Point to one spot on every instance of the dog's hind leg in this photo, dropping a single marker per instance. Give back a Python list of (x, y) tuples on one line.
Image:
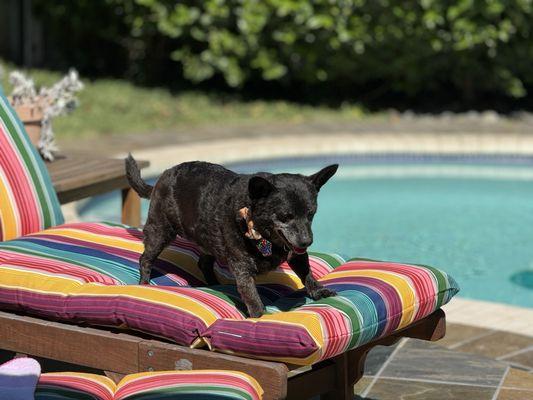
[(206, 264), (299, 263), (156, 238)]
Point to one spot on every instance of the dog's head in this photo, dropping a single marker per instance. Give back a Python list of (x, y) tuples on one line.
[(283, 206)]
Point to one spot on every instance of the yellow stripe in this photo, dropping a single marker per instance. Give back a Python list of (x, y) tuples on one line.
[(64, 286), (276, 277), (8, 218), (310, 321), (37, 281), (101, 380), (97, 238), (281, 278), (399, 282)]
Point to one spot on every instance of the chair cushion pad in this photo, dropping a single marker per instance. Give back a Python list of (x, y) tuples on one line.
[(88, 272)]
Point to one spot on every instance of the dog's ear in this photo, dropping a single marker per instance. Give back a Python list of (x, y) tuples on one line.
[(259, 187), (322, 176)]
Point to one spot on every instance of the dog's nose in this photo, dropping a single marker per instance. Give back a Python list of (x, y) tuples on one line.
[(305, 242)]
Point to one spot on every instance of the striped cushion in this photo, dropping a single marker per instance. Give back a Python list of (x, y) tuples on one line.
[(28, 202), (202, 384), (374, 299), (90, 273)]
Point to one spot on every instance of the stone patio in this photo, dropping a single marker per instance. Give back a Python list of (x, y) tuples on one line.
[(469, 363)]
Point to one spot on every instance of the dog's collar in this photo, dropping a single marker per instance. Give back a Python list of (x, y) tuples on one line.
[(263, 245)]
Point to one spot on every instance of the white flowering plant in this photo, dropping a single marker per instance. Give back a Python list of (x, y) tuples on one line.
[(59, 99)]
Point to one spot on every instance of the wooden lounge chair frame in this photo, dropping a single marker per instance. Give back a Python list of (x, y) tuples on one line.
[(119, 353)]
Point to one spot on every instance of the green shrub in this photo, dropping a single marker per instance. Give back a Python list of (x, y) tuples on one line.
[(473, 47)]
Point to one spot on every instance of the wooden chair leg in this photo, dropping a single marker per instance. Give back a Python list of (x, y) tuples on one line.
[(350, 368), (343, 388), (131, 207)]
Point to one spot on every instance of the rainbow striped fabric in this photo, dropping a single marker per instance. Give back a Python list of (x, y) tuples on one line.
[(176, 385), (28, 202), (87, 272)]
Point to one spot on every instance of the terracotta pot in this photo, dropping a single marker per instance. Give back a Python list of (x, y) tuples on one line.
[(31, 117)]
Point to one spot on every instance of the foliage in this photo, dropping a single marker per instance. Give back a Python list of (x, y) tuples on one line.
[(473, 47)]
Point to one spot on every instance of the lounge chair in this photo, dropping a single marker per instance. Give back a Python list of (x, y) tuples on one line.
[(68, 292)]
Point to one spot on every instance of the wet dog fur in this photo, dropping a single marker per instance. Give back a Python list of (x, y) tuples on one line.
[(200, 202)]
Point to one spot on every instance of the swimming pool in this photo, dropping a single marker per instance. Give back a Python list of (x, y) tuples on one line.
[(469, 215)]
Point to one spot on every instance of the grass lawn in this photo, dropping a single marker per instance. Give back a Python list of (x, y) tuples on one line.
[(116, 106)]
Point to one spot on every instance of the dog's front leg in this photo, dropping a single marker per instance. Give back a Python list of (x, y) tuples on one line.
[(299, 263), (245, 281)]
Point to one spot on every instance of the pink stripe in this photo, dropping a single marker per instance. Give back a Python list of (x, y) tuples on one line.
[(55, 266)]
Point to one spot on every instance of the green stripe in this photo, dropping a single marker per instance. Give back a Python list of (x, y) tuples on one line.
[(442, 283), (332, 260), (348, 308)]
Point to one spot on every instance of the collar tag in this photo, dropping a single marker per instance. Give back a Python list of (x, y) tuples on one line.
[(265, 247)]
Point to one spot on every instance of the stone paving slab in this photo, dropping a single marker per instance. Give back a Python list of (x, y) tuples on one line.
[(430, 362), (458, 334), (511, 394), (523, 359), (416, 369), (496, 344), (400, 389), (518, 379)]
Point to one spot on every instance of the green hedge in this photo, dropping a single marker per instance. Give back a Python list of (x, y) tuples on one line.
[(471, 46), (470, 49)]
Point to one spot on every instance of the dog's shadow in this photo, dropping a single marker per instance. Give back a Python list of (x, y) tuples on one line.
[(273, 300)]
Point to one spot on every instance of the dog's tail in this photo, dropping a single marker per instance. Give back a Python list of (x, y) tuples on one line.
[(133, 173)]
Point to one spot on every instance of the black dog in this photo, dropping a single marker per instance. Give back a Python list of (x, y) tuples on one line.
[(252, 223)]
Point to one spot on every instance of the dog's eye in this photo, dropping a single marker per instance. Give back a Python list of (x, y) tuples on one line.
[(285, 217)]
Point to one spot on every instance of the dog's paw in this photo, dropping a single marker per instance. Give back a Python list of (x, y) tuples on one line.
[(322, 292), (255, 312)]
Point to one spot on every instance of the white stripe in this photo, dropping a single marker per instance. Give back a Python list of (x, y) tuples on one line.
[(497, 392)]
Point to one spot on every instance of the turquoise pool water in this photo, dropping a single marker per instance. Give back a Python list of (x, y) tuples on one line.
[(472, 216)]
